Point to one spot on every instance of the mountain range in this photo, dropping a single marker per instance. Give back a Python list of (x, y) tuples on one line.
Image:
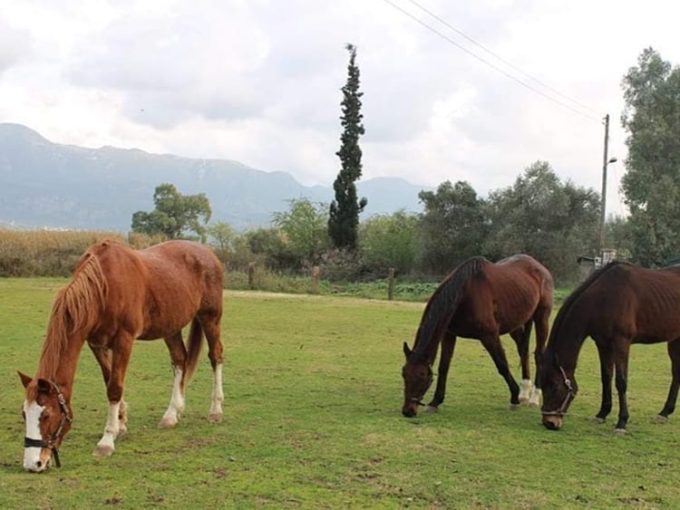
[(45, 184)]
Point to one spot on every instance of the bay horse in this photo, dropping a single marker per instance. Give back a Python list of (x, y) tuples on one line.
[(117, 295), (618, 305), (481, 300)]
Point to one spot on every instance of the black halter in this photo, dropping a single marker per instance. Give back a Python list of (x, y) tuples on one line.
[(50, 443), (561, 411)]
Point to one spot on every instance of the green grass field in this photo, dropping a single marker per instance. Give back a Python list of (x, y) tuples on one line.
[(312, 419)]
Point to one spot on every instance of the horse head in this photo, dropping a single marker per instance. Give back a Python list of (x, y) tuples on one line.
[(559, 389), (417, 374), (48, 418)]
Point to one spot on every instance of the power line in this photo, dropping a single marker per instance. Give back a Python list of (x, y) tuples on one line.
[(501, 59), (490, 64)]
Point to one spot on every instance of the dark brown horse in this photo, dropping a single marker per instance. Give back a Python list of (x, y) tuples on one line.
[(117, 295), (481, 300), (618, 305)]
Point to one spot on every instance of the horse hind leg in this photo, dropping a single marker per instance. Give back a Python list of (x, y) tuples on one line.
[(521, 338), (210, 322), (669, 406), (178, 356)]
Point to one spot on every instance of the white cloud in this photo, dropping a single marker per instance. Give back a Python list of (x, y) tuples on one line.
[(258, 81)]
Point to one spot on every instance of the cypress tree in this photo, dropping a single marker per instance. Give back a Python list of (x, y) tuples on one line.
[(343, 221)]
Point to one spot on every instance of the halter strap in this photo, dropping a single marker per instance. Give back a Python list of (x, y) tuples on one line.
[(50, 444), (561, 411)]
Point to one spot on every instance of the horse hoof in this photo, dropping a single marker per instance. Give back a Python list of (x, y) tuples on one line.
[(122, 430), (661, 419), (431, 409), (103, 451), (167, 423), (620, 432), (215, 417), (600, 420)]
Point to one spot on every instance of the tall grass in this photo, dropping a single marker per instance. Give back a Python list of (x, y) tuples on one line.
[(53, 253)]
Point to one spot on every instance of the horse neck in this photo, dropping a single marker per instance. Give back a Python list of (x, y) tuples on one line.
[(567, 342), (429, 352), (61, 370)]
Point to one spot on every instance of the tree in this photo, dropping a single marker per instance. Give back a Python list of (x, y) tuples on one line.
[(222, 238), (540, 216), (343, 221), (175, 215), (390, 241), (651, 184), (304, 226), (453, 225)]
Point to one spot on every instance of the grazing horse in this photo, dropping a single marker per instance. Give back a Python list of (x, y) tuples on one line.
[(617, 305), (481, 300), (116, 295)]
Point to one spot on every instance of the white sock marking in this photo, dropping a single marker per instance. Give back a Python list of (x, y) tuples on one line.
[(217, 391), (525, 389), (176, 406), (112, 427)]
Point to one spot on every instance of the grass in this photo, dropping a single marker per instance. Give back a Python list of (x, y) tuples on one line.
[(313, 397)]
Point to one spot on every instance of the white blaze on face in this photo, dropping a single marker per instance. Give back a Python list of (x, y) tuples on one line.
[(32, 453)]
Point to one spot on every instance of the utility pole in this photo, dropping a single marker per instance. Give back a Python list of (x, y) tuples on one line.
[(605, 162)]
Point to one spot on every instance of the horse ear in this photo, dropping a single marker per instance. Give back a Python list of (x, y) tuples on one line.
[(25, 380), (407, 351), (44, 387)]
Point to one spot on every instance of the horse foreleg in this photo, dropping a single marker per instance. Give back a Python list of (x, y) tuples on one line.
[(114, 391), (211, 327), (448, 346), (621, 350), (103, 357), (178, 354), (606, 372), (492, 343), (674, 354), (521, 338)]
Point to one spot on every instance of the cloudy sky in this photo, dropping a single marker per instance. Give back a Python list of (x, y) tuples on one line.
[(258, 81)]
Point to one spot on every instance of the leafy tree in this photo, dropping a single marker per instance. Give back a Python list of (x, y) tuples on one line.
[(269, 245), (222, 238), (304, 227), (175, 214), (540, 216), (453, 225), (391, 241), (652, 181), (343, 221)]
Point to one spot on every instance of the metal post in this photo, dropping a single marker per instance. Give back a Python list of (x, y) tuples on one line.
[(605, 162)]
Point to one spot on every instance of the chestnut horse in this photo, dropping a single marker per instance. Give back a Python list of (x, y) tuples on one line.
[(618, 305), (481, 300), (116, 295)]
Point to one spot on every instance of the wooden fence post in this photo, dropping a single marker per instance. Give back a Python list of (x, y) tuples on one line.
[(316, 276), (251, 275), (390, 285)]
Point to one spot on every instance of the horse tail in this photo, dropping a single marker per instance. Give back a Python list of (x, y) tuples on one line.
[(194, 344)]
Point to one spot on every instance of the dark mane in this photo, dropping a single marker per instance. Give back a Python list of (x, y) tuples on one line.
[(443, 303), (574, 297)]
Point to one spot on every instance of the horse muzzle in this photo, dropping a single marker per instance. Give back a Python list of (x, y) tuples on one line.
[(553, 422)]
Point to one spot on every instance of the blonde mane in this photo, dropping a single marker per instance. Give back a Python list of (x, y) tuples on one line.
[(74, 312)]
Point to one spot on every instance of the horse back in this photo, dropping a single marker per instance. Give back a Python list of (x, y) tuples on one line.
[(635, 302), (155, 292), (506, 295)]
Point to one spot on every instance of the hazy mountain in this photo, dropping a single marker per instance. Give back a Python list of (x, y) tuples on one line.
[(48, 184)]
